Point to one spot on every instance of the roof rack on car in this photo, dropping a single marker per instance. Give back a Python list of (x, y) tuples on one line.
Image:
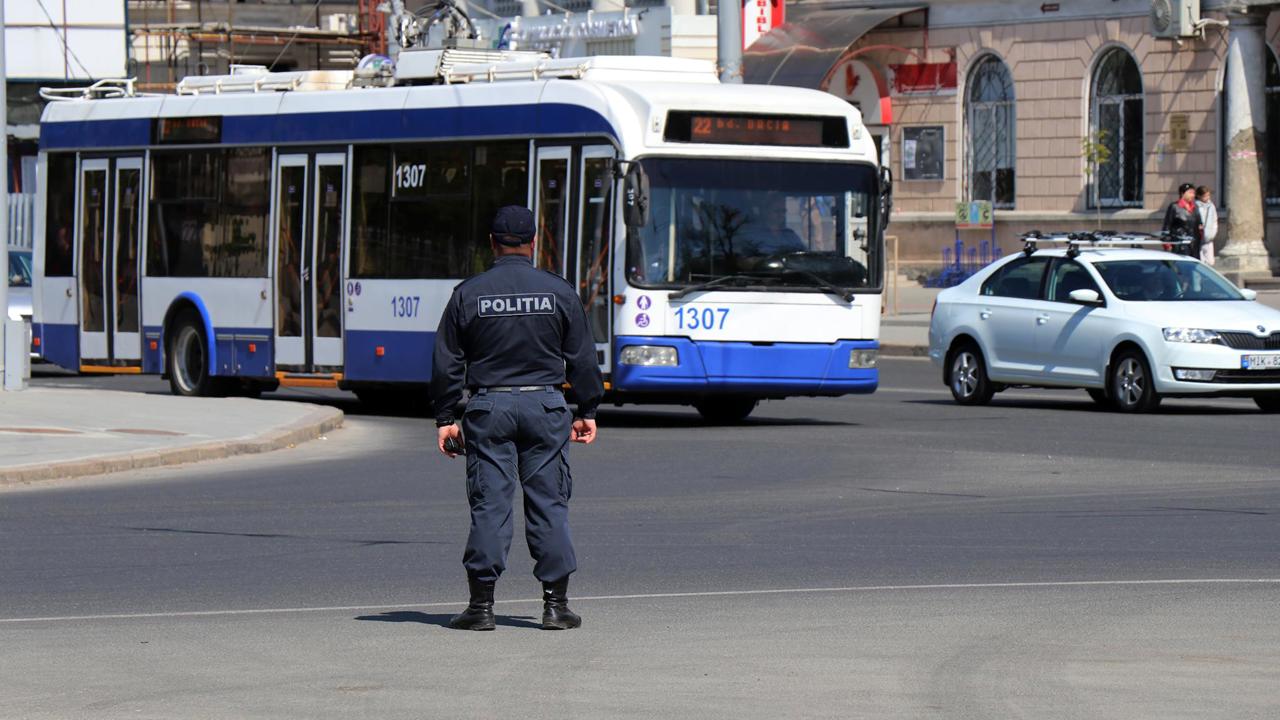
[(1101, 239)]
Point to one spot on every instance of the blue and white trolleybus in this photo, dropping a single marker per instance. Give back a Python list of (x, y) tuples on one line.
[(264, 229)]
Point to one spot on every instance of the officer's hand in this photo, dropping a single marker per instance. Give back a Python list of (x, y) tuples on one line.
[(584, 431), (446, 432)]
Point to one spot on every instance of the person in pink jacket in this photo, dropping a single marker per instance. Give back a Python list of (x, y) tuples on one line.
[(1208, 221)]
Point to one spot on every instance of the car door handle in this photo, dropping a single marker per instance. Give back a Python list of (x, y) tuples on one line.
[(985, 314), (1042, 319)]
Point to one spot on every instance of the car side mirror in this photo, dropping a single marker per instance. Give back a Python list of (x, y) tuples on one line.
[(1085, 296), (1248, 294)]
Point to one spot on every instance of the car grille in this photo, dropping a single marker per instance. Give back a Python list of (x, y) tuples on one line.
[(1247, 376), (1249, 341)]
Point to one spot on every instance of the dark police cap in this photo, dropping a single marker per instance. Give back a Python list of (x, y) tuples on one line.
[(513, 225)]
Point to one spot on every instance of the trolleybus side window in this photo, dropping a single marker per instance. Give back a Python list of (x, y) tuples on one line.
[(370, 208), (424, 211), (60, 203), (208, 213)]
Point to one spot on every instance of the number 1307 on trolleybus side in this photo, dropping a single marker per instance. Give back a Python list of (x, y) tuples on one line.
[(265, 229)]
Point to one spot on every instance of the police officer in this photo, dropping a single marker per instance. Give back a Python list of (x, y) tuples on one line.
[(512, 336)]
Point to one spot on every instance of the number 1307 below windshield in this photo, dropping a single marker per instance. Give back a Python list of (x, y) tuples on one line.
[(759, 225)]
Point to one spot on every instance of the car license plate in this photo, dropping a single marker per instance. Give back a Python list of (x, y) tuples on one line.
[(1260, 362)]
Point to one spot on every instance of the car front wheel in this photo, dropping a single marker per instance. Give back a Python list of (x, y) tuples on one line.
[(1132, 387), (969, 382)]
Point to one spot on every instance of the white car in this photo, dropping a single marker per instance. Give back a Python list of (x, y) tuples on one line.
[(1130, 326)]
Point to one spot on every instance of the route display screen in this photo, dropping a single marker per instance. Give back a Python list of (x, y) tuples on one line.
[(740, 129), (185, 130)]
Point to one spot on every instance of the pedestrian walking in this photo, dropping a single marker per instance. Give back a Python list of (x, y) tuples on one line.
[(1182, 221), (512, 336), (1208, 221)]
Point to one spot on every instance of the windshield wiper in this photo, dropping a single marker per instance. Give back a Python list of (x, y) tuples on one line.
[(845, 294), (713, 283)]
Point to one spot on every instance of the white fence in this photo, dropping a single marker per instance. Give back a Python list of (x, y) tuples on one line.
[(22, 220)]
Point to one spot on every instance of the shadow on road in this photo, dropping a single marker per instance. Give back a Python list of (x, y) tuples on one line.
[(691, 419), (413, 616), (1090, 407)]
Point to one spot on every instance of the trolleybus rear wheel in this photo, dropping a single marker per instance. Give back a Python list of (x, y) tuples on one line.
[(188, 355)]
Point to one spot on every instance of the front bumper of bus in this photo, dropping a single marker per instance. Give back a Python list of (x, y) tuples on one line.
[(767, 370)]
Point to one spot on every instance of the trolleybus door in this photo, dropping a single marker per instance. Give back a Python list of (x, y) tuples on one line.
[(551, 208), (126, 195), (310, 229), (595, 211), (94, 266)]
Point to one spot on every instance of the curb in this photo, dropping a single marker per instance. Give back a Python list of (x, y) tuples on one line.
[(904, 350), (316, 422)]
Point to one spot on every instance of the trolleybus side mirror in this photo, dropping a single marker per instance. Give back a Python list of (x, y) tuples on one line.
[(886, 195), (635, 196)]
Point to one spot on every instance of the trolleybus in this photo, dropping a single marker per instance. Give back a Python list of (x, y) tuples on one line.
[(265, 229)]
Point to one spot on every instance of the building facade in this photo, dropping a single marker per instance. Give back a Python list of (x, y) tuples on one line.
[(1062, 116)]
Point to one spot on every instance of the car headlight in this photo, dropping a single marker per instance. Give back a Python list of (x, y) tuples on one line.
[(1191, 335), (649, 355)]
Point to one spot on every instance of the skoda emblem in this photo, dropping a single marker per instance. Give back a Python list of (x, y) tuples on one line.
[(1262, 330)]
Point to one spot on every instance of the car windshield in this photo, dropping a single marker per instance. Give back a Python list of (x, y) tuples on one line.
[(19, 268), (757, 224), (1165, 281)]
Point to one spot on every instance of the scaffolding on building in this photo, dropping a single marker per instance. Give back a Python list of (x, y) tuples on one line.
[(172, 40)]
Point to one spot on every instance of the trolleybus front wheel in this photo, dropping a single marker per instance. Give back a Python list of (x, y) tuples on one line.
[(725, 410)]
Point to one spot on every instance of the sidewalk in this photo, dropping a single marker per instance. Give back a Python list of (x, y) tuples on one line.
[(907, 331), (48, 433)]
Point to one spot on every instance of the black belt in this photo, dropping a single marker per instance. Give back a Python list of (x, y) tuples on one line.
[(516, 389)]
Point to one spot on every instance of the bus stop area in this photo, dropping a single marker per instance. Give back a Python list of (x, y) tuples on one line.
[(50, 433)]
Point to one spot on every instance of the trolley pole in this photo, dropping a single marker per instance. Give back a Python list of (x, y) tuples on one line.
[(729, 41), (5, 370)]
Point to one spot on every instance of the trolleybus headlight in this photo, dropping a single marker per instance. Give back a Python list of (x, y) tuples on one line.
[(863, 359), (649, 355), (1191, 335)]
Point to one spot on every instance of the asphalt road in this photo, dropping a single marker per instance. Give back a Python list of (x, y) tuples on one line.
[(885, 556)]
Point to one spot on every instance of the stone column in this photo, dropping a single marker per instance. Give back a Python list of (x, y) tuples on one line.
[(1244, 253), (531, 8)]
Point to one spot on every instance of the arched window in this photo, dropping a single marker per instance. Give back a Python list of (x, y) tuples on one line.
[(990, 141), (1116, 121), (1273, 121)]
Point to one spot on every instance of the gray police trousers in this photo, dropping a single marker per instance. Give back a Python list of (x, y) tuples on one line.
[(524, 437)]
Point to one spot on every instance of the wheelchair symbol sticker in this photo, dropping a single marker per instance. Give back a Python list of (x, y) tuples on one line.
[(642, 320)]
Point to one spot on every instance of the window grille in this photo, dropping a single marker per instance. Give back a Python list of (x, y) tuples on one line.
[(991, 138), (1117, 117)]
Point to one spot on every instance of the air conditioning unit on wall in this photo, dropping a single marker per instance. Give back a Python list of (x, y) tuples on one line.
[(1175, 18)]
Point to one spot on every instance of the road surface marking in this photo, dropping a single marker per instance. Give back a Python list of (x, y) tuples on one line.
[(651, 596)]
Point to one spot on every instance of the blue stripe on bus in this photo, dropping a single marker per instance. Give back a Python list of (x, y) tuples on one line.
[(348, 125), (406, 356), (131, 132), (60, 344), (781, 368)]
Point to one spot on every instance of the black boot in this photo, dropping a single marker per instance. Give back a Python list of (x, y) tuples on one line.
[(556, 614), (479, 612)]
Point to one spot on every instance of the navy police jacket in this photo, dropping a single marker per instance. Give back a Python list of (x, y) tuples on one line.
[(510, 326)]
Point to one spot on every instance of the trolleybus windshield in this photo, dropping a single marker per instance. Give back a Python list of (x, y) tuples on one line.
[(756, 224)]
